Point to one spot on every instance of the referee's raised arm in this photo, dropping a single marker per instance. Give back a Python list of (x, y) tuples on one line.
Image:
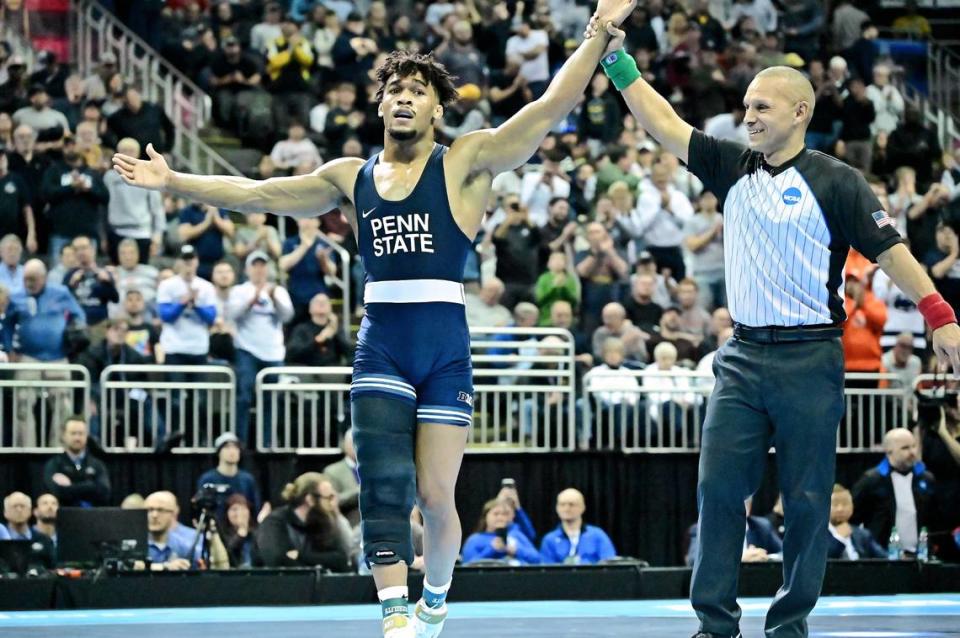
[(653, 113)]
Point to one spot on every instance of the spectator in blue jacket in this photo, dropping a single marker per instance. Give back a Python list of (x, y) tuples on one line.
[(92, 285), (204, 227), (520, 521), (307, 259), (34, 330), (573, 542), (488, 542)]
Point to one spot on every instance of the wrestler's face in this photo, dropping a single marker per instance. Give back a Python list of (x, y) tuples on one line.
[(409, 107)]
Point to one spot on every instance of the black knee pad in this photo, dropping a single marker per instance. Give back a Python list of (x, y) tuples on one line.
[(384, 433)]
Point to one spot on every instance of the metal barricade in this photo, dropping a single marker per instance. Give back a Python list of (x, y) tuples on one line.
[(36, 399), (142, 405), (646, 410), (524, 390), (874, 404), (302, 409)]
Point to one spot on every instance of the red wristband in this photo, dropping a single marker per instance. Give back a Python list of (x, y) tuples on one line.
[(936, 311)]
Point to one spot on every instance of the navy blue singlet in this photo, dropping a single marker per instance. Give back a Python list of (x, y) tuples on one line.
[(413, 343)]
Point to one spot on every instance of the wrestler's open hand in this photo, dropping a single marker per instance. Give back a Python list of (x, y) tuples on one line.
[(946, 345)]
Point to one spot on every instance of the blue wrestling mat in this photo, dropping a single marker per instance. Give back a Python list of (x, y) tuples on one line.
[(907, 616)]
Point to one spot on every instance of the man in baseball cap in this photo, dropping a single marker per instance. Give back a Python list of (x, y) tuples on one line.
[(228, 473)]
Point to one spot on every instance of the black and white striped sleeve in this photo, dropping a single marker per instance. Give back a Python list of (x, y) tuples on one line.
[(718, 163)]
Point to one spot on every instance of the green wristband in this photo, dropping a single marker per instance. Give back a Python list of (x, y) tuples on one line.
[(620, 68)]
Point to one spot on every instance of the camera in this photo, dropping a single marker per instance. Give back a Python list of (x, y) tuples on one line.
[(210, 497), (930, 406)]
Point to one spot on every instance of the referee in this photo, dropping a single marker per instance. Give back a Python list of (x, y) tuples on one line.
[(790, 217)]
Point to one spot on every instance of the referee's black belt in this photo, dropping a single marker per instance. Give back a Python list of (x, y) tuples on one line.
[(785, 334)]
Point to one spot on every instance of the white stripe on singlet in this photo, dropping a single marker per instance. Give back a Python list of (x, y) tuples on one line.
[(413, 291)]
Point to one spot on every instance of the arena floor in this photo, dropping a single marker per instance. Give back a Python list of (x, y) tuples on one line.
[(861, 617)]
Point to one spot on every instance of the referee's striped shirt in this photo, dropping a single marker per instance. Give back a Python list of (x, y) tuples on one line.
[(787, 230)]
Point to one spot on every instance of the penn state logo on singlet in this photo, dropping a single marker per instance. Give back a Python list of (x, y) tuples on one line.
[(412, 238), (395, 234)]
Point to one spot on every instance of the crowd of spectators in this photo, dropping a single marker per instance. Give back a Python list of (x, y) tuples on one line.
[(601, 233)]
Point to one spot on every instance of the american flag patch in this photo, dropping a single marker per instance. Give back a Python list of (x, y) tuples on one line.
[(882, 219)]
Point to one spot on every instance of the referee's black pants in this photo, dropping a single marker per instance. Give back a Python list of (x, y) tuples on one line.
[(789, 395)]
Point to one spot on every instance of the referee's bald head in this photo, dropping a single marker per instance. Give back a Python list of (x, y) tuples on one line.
[(779, 104)]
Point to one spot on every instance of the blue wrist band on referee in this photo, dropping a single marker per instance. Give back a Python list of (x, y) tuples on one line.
[(620, 68)]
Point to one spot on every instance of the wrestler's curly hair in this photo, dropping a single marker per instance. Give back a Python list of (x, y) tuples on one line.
[(407, 63)]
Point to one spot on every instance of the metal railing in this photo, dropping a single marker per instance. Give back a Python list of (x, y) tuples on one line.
[(524, 390), (342, 279), (523, 397), (35, 400), (516, 408), (651, 411), (302, 409), (142, 405), (644, 410), (943, 79), (186, 104), (875, 404)]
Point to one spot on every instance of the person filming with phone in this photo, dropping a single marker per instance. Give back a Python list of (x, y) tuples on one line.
[(493, 539)]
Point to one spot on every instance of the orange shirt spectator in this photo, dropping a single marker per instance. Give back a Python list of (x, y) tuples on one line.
[(861, 332)]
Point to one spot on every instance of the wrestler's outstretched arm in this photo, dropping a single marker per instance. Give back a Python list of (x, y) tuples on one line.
[(302, 195)]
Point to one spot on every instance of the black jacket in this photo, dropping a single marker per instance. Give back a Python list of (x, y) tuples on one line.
[(317, 545), (863, 541), (90, 483), (303, 349), (875, 506), (149, 124)]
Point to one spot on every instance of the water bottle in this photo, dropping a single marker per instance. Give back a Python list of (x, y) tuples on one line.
[(893, 547), (923, 548)]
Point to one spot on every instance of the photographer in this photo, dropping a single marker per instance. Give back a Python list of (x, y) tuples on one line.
[(938, 433), (172, 546), (304, 533), (494, 540)]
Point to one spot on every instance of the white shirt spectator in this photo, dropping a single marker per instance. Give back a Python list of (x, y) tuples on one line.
[(318, 117), (663, 386), (537, 69), (705, 367), (290, 154), (263, 35), (142, 277), (763, 12), (656, 226), (900, 205), (133, 212), (536, 195), (437, 11), (888, 104), (906, 514), (188, 334), (907, 375), (41, 120), (902, 313), (724, 127), (260, 326), (614, 386)]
